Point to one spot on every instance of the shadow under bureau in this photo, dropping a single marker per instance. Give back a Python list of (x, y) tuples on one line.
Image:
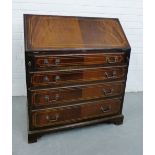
[(76, 72)]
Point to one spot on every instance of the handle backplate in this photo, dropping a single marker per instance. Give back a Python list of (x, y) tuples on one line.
[(105, 109)]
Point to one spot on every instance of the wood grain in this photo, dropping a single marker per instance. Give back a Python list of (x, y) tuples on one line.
[(60, 78), (62, 32), (63, 96), (75, 113), (56, 62), (76, 72)]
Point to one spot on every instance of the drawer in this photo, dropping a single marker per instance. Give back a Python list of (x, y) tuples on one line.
[(56, 61), (54, 78), (70, 114), (62, 96)]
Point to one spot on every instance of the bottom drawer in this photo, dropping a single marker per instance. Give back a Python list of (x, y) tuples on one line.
[(70, 114)]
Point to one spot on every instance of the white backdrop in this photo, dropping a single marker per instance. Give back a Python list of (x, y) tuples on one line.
[(128, 11)]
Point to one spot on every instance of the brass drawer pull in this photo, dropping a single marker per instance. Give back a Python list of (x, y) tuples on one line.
[(57, 77), (57, 96), (111, 61), (46, 97), (105, 109), (48, 100), (111, 76), (57, 61), (52, 118), (46, 79), (107, 91), (45, 61)]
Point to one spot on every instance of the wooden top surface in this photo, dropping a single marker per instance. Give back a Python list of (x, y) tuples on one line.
[(69, 33)]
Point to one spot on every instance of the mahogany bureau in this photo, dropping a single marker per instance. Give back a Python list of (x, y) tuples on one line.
[(76, 72)]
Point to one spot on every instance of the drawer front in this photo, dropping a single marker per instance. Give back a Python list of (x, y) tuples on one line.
[(75, 113), (77, 76), (53, 62), (61, 96)]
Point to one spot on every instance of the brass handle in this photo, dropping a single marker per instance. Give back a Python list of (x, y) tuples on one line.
[(105, 109), (46, 97), (57, 77), (57, 61), (111, 61), (107, 91), (111, 76), (57, 96), (48, 100), (46, 79), (45, 61), (52, 118)]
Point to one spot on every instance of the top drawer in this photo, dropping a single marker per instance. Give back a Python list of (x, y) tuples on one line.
[(39, 62)]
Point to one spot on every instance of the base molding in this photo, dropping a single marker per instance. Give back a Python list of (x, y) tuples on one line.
[(34, 135), (32, 138)]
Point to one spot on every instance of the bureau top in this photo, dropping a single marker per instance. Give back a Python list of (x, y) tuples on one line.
[(45, 33)]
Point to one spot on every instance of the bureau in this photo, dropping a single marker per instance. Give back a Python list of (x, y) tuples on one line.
[(76, 72)]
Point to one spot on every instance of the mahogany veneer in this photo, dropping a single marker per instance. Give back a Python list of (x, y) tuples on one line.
[(76, 72)]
